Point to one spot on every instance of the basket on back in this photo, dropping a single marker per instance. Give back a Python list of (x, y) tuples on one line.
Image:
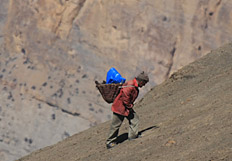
[(109, 91)]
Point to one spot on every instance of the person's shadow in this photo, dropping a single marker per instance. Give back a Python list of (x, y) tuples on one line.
[(124, 137)]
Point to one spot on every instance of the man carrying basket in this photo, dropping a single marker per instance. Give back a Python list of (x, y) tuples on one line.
[(122, 107)]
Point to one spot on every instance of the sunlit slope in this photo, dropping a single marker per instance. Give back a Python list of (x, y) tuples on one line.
[(187, 117)]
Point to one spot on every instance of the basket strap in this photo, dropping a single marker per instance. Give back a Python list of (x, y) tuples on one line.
[(126, 86)]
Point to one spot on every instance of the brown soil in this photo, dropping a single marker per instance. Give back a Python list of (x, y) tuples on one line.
[(187, 117)]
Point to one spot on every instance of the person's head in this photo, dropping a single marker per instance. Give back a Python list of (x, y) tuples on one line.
[(142, 79)]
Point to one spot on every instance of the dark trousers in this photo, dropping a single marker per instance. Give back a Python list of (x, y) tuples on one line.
[(117, 122)]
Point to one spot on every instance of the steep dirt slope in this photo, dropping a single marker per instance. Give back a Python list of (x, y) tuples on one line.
[(188, 117), (52, 50)]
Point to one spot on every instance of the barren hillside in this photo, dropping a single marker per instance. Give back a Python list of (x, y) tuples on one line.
[(51, 52), (187, 117)]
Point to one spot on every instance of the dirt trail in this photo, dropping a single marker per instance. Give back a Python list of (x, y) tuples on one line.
[(187, 117)]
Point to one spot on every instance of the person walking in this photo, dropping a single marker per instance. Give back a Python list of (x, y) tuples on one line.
[(122, 107)]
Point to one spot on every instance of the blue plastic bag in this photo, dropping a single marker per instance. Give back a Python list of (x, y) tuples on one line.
[(113, 76)]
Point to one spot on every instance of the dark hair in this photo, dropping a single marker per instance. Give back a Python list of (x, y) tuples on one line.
[(143, 77)]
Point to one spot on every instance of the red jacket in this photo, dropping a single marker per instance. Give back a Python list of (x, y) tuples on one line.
[(125, 99)]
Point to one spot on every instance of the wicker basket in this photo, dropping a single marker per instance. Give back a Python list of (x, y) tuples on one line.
[(108, 91)]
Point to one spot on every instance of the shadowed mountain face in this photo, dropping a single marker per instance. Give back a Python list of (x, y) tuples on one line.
[(51, 52), (187, 117)]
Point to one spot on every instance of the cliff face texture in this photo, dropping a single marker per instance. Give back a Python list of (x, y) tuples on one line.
[(52, 51), (187, 117)]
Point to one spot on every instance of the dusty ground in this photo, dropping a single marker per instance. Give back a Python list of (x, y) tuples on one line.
[(51, 52), (188, 117)]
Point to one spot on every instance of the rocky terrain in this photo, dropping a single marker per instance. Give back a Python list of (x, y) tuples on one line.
[(187, 117), (51, 52)]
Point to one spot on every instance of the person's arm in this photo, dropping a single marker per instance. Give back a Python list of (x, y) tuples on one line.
[(127, 97)]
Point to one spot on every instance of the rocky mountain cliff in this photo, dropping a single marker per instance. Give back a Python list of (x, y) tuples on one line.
[(52, 52), (187, 117)]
